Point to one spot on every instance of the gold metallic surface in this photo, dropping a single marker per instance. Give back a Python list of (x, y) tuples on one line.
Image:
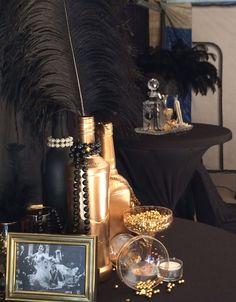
[(119, 202), (37, 206), (31, 219), (108, 151), (86, 129), (98, 182), (120, 194)]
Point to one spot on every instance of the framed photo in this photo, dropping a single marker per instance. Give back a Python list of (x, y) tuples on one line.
[(42, 267)]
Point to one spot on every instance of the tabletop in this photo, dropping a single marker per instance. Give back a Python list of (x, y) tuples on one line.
[(201, 135), (209, 260), (160, 167)]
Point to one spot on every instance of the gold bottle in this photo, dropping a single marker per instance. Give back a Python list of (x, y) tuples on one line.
[(121, 194), (98, 197)]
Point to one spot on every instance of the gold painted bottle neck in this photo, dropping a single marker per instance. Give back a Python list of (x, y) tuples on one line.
[(108, 151), (86, 129)]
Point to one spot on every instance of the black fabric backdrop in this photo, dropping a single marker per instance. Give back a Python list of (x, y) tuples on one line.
[(20, 166)]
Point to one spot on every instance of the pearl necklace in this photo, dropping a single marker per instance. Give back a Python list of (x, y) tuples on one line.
[(60, 142)]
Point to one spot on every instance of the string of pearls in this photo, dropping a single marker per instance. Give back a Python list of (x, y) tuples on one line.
[(60, 142)]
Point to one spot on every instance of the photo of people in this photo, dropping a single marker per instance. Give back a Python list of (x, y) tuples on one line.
[(51, 268)]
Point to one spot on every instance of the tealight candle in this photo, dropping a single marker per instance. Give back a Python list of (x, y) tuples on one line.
[(171, 270)]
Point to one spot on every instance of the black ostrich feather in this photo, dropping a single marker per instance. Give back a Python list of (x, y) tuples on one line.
[(66, 55), (182, 67)]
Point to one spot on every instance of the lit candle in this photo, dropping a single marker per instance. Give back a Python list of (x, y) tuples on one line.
[(172, 265), (171, 270)]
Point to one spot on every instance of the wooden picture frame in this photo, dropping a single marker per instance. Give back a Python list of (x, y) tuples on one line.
[(43, 267)]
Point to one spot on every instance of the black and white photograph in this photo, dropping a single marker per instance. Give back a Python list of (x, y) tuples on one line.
[(50, 268)]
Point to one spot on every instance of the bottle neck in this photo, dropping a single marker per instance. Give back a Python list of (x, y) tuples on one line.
[(86, 130), (108, 151)]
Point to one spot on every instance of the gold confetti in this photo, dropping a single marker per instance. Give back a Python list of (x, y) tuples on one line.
[(150, 221)]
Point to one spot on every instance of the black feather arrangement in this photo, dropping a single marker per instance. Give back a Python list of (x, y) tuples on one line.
[(66, 56), (17, 191), (182, 67)]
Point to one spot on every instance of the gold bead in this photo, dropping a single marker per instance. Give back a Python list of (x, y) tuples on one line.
[(114, 269), (116, 286), (169, 290), (127, 300)]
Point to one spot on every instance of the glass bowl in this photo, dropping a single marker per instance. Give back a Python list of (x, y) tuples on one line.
[(116, 244), (147, 220), (139, 259)]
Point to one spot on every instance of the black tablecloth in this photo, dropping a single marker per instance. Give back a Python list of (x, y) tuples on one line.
[(209, 256), (163, 170), (201, 135)]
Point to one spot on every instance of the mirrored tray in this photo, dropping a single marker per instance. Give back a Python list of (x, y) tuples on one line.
[(178, 128)]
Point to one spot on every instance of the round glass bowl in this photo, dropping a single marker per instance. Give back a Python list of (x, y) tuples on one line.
[(116, 244), (147, 220), (139, 259)]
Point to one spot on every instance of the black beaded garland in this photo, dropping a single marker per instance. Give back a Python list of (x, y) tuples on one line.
[(53, 222), (55, 215), (79, 153), (40, 221)]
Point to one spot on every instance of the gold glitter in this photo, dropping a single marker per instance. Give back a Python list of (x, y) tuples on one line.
[(150, 221)]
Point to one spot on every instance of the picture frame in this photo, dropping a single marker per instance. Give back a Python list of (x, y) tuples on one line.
[(48, 267)]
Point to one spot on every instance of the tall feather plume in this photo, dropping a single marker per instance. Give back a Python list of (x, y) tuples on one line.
[(66, 56), (183, 67)]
